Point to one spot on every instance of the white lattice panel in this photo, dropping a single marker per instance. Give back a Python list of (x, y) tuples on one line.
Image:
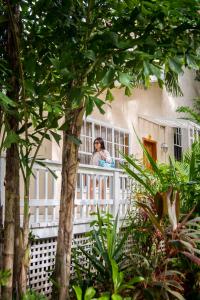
[(43, 253), (41, 265)]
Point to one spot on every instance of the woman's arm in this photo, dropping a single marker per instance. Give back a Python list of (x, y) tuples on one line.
[(106, 156)]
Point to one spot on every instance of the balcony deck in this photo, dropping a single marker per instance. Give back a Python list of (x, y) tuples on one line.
[(106, 188)]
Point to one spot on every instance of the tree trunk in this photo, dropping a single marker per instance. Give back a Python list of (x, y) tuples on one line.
[(17, 255), (11, 197), (12, 163), (25, 245), (69, 176)]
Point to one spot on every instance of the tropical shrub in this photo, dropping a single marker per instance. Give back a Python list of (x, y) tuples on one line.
[(32, 295), (107, 246), (165, 192), (182, 176)]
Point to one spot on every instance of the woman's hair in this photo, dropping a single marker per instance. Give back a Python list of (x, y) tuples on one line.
[(101, 141)]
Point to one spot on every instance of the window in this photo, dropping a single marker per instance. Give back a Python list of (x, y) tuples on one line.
[(194, 135), (116, 140), (178, 143)]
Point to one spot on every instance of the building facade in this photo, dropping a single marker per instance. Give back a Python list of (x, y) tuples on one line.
[(150, 113)]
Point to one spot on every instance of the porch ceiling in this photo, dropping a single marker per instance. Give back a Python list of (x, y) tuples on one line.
[(170, 122)]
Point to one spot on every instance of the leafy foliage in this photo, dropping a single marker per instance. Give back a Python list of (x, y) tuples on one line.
[(32, 295), (107, 254)]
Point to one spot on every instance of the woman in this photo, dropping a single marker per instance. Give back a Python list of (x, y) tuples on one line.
[(100, 153)]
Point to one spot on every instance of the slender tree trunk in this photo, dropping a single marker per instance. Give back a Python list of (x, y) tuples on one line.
[(12, 164), (25, 245), (11, 197), (69, 175), (17, 255)]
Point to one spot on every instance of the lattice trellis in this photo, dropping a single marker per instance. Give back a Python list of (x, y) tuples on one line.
[(43, 253), (41, 265)]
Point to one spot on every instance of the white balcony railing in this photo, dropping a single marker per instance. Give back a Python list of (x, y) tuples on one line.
[(106, 188)]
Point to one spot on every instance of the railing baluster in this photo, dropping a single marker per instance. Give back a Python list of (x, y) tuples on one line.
[(54, 214), (46, 195), (37, 196), (81, 195), (105, 178), (88, 194)]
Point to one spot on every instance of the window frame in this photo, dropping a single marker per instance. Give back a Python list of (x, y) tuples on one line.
[(195, 136), (95, 122), (178, 142)]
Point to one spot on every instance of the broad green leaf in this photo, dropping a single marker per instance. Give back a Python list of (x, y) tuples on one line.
[(11, 138), (124, 79), (89, 294), (109, 96), (64, 126), (136, 279), (108, 78), (104, 297), (6, 100), (99, 103), (78, 292), (191, 61), (147, 70), (175, 65), (90, 54), (55, 62), (56, 136), (128, 91), (116, 297), (74, 139), (89, 106)]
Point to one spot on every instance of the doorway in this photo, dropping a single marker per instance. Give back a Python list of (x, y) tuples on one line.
[(151, 147)]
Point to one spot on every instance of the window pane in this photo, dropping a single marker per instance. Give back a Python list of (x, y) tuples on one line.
[(126, 139), (97, 131), (103, 132), (116, 134), (88, 129), (89, 145), (116, 150), (82, 146), (126, 150), (121, 138), (121, 149), (109, 148), (83, 128), (109, 134)]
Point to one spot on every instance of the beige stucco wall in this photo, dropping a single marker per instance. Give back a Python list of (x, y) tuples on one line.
[(124, 112)]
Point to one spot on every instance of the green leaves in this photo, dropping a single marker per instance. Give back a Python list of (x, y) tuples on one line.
[(109, 96), (74, 139), (11, 138), (89, 106), (91, 102), (116, 276), (125, 79), (192, 62), (108, 78), (56, 136), (175, 65), (5, 101), (89, 293)]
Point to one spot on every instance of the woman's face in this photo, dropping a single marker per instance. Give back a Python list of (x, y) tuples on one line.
[(97, 145)]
